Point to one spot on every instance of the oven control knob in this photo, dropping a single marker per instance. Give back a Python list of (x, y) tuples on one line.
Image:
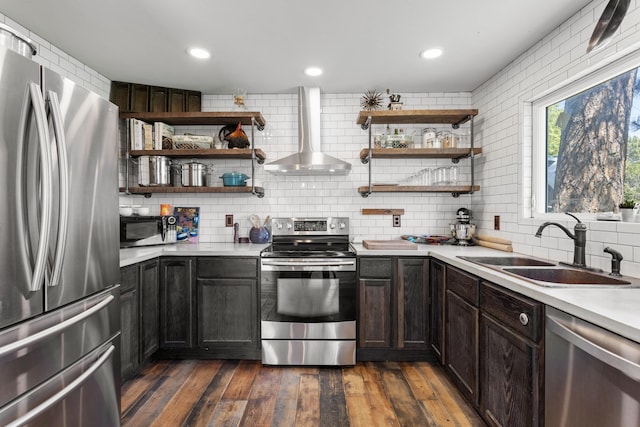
[(332, 226), (342, 225), (289, 226)]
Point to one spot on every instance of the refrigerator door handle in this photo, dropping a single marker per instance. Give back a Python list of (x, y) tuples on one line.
[(63, 177), (26, 418), (14, 346), (35, 100)]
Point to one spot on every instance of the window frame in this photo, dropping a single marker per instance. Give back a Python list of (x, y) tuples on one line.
[(539, 129)]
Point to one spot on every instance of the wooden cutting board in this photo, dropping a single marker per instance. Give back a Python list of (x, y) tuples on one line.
[(389, 244)]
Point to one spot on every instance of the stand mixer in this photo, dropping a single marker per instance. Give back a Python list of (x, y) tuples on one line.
[(463, 231)]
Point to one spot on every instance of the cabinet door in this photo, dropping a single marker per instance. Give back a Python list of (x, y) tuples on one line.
[(413, 303), (150, 308), (129, 315), (510, 376), (374, 316), (176, 302), (228, 314), (436, 287), (461, 344)]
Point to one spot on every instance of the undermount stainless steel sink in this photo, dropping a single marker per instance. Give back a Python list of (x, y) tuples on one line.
[(565, 276), (548, 274), (508, 261)]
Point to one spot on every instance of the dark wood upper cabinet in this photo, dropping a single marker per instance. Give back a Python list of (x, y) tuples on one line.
[(159, 99)]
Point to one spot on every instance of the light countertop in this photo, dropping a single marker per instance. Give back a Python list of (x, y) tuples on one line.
[(615, 309), (134, 255)]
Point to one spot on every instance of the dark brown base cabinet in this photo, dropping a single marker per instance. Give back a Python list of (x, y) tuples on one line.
[(393, 307), (436, 287), (493, 348), (130, 321), (177, 303), (461, 331), (511, 358), (227, 313), (139, 314), (150, 308)]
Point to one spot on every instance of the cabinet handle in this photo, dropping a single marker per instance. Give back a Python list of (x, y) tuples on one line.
[(524, 319)]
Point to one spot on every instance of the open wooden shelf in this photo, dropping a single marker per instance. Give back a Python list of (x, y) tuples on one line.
[(200, 118), (156, 189), (419, 153), (456, 189), (404, 117), (233, 153)]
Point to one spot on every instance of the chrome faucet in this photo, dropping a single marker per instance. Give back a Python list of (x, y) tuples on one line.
[(579, 239)]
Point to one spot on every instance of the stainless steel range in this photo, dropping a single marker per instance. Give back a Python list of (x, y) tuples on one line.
[(308, 293)]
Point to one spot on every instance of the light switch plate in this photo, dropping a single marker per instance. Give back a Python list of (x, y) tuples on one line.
[(228, 220)]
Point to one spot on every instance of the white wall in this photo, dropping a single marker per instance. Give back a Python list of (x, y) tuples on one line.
[(504, 130)]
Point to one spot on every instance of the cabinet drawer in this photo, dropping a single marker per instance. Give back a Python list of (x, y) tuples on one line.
[(375, 268), (227, 267), (515, 311), (463, 284)]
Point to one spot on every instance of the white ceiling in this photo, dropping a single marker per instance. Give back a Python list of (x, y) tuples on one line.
[(263, 46)]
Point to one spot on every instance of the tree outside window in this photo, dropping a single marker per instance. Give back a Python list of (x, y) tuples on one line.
[(593, 147)]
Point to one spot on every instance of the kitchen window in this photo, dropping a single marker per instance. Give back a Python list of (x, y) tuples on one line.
[(587, 142)]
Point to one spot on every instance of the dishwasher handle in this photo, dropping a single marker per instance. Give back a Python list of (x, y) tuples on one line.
[(627, 367)]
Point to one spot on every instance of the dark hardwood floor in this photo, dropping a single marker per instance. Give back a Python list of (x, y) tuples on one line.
[(246, 393)]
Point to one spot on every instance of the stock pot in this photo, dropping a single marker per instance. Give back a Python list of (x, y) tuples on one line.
[(154, 171), (193, 174)]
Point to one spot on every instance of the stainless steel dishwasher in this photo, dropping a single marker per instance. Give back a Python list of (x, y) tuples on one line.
[(592, 376)]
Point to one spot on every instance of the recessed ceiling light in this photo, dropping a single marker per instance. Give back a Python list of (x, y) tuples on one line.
[(313, 71), (199, 53), (431, 53)]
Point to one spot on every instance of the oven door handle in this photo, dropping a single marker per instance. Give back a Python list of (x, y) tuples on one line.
[(307, 263)]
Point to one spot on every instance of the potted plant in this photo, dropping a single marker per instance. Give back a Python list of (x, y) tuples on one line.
[(626, 210)]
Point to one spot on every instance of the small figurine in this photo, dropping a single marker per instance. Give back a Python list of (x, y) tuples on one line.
[(394, 103), (235, 136)]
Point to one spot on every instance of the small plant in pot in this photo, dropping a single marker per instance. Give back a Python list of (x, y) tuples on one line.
[(626, 209)]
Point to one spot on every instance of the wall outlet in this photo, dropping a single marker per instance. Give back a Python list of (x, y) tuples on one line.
[(228, 220), (496, 222), (396, 220)]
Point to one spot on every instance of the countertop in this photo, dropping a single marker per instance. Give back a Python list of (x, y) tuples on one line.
[(617, 310), (134, 255)]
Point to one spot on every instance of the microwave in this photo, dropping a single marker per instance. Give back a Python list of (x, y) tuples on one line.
[(147, 230)]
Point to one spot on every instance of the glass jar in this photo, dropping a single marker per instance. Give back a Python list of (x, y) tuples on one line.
[(428, 137), (446, 139)]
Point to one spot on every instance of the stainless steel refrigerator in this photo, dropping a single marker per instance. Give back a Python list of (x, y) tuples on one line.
[(59, 250)]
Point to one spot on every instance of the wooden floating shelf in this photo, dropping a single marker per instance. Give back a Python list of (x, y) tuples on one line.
[(200, 118), (454, 117), (419, 153), (148, 190), (458, 189), (234, 153)]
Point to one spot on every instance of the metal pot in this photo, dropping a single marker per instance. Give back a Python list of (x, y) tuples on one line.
[(193, 174), (154, 171)]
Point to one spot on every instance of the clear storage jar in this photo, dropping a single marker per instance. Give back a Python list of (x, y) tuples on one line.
[(428, 137)]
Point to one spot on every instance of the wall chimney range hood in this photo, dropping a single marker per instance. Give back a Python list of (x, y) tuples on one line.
[(309, 160)]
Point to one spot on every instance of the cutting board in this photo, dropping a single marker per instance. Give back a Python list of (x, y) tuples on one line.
[(389, 244)]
